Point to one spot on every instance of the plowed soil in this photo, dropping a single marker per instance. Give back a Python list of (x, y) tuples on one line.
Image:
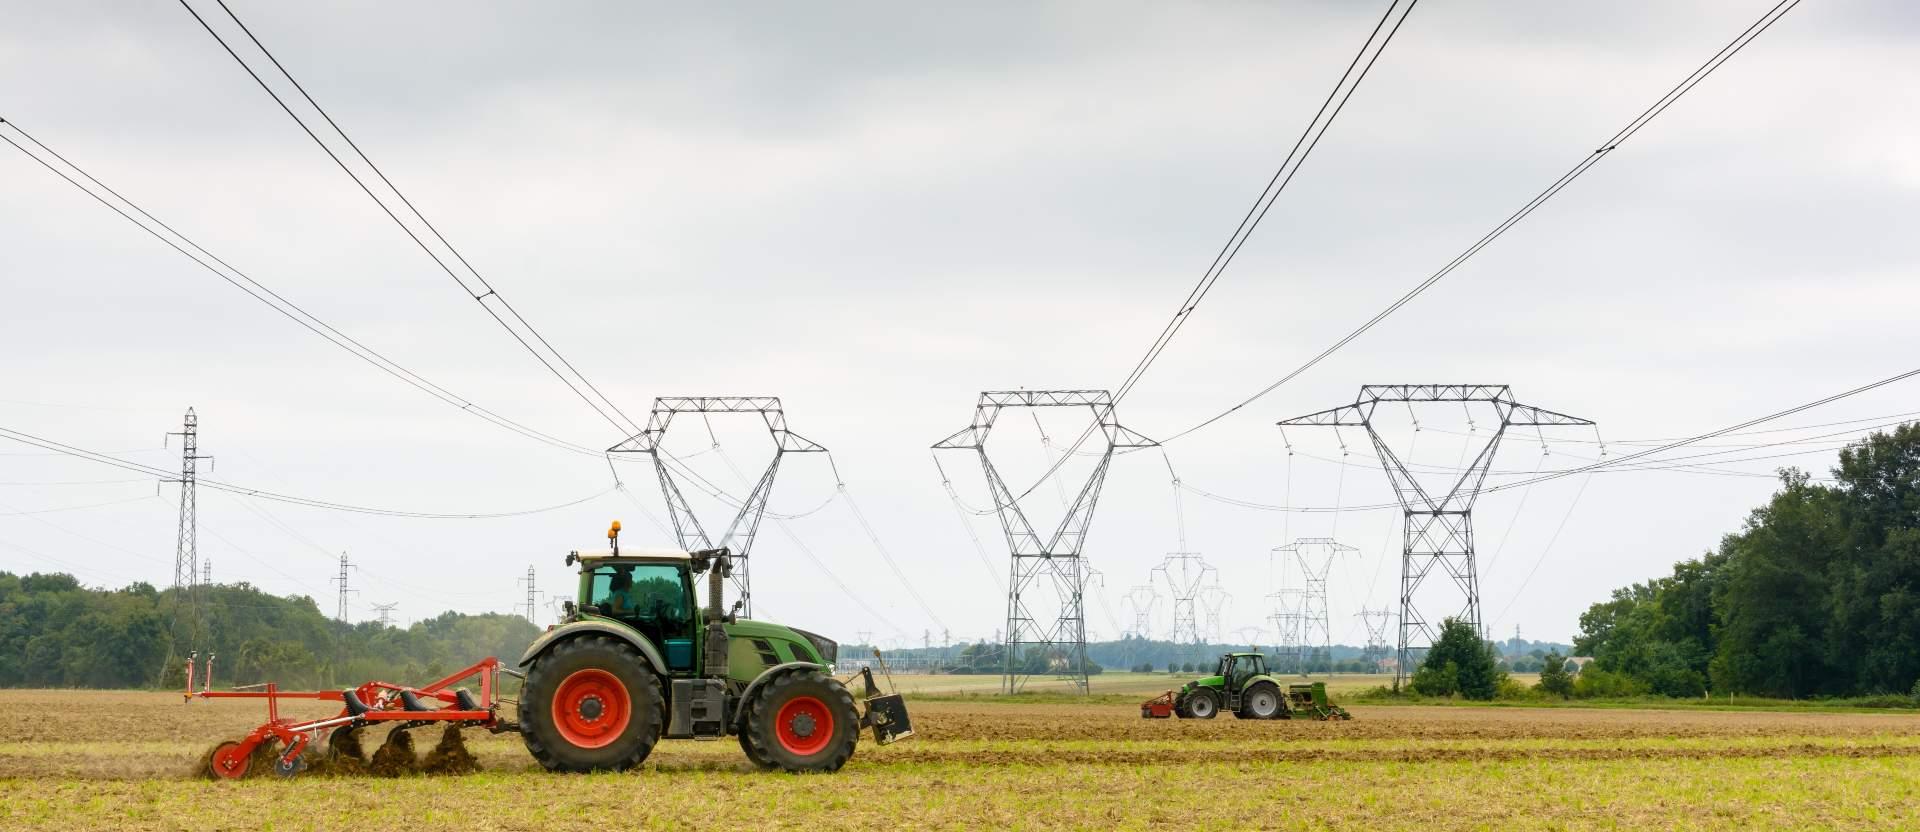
[(85, 760)]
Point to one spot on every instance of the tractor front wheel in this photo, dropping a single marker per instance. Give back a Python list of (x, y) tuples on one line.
[(753, 752), (1262, 701), (802, 721), (590, 704), (1202, 704)]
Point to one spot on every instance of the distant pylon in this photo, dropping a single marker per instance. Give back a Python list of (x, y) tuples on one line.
[(1140, 599), (340, 607), (206, 572), (1314, 556), (1185, 573), (1213, 601), (532, 602), (186, 552), (1376, 622), (385, 611)]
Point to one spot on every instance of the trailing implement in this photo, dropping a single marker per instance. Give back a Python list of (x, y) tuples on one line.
[(1243, 687)]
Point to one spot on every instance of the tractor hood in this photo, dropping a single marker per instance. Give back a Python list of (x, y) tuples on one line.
[(1206, 682)]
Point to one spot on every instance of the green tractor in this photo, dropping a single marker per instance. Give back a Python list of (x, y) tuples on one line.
[(1243, 687), (635, 661)]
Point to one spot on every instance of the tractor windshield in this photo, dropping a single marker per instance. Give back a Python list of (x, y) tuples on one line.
[(654, 597)]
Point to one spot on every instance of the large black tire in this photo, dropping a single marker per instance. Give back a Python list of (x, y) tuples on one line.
[(1261, 700), (1202, 704), (803, 721), (584, 732)]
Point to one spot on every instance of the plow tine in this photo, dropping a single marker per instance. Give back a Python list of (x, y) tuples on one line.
[(396, 756)]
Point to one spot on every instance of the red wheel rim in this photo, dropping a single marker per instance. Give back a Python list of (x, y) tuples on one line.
[(229, 762), (804, 726), (591, 708)]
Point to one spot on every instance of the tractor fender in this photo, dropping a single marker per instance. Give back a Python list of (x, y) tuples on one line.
[(768, 675), (547, 640)]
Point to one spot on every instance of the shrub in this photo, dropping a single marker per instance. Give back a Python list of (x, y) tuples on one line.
[(1513, 691), (1554, 679), (1595, 683)]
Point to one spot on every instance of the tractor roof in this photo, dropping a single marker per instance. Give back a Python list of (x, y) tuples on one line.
[(1247, 654), (633, 554)]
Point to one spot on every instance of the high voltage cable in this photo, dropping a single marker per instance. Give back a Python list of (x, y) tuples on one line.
[(479, 297), (274, 300), (1721, 432), (1290, 165), (1719, 58), (1296, 156), (91, 456), (547, 359)]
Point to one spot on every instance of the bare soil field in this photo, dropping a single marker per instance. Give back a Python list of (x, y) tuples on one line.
[(72, 760)]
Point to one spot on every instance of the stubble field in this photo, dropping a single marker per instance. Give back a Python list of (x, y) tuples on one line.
[(73, 760)]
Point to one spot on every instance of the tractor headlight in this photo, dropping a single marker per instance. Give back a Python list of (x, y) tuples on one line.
[(828, 649)]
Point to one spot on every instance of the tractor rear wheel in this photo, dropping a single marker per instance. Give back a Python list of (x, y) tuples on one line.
[(1261, 701), (590, 704), (803, 721), (1202, 704)]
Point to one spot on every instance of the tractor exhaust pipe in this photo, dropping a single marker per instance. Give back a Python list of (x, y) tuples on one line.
[(719, 565)]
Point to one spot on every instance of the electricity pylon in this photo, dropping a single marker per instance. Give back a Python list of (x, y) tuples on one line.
[(1185, 574), (746, 520), (1376, 622), (1140, 600), (1439, 525), (1314, 556), (1046, 582)]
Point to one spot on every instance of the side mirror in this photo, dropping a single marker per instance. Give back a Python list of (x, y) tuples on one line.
[(568, 608)]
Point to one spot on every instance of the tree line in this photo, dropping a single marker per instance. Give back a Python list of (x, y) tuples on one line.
[(1817, 595), (54, 632)]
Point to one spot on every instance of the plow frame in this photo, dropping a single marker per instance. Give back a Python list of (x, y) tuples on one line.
[(370, 703)]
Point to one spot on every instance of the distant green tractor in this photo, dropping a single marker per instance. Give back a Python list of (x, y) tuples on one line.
[(1242, 686)]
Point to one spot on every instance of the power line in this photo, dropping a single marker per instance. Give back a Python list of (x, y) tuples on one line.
[(1296, 156), (267, 296), (605, 407), (1289, 166), (1719, 58), (91, 456)]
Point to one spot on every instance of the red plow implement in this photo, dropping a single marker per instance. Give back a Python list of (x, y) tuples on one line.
[(374, 703)]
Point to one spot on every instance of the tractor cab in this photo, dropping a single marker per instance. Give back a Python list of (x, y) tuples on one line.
[(652, 592)]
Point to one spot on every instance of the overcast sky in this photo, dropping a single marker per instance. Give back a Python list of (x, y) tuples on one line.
[(875, 213)]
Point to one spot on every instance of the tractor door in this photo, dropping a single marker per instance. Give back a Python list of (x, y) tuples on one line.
[(654, 598)]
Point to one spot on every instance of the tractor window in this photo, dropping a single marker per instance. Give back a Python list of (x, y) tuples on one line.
[(651, 595)]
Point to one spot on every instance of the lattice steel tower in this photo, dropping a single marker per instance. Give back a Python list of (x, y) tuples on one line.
[(1286, 629), (1140, 599), (1314, 556), (1438, 526), (1376, 622), (1046, 582), (186, 552), (1214, 599), (746, 520), (1185, 574)]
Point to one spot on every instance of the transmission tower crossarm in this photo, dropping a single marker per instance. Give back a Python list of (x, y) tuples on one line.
[(1346, 415), (745, 525)]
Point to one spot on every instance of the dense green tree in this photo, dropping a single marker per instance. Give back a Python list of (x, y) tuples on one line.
[(1554, 678), (1459, 663)]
